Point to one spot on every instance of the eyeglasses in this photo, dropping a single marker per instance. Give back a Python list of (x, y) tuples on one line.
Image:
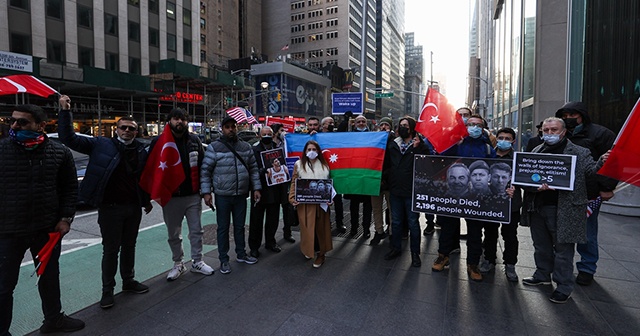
[(476, 124), (128, 128), (21, 121)]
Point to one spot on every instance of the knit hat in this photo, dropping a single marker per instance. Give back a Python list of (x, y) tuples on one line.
[(386, 120)]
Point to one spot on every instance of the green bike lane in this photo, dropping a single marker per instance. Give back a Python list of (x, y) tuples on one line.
[(80, 274)]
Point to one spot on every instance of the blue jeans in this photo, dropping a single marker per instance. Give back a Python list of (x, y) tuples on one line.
[(401, 212), (227, 206), (12, 249), (589, 251)]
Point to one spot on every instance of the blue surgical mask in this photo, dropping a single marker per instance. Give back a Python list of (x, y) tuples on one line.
[(504, 145), (464, 119), (551, 139), (361, 129), (474, 131)]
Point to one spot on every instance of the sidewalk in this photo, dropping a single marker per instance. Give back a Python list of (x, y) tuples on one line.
[(357, 292)]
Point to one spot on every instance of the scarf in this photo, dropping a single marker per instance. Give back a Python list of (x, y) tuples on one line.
[(27, 139)]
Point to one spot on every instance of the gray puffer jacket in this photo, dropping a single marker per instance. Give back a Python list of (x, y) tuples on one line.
[(223, 174)]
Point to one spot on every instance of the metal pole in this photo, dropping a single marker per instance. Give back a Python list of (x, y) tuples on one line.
[(99, 115), (363, 52), (431, 81)]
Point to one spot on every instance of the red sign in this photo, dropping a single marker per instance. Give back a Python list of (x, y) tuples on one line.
[(288, 124), (182, 97)]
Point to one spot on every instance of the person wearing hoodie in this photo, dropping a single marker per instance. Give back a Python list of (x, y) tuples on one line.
[(598, 140)]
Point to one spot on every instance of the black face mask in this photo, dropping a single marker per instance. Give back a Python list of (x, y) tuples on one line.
[(330, 128), (404, 132), (571, 123), (267, 140)]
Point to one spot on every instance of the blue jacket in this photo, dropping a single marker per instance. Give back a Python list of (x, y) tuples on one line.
[(104, 158), (470, 147)]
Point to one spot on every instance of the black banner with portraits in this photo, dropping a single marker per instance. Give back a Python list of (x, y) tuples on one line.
[(313, 190), (472, 188)]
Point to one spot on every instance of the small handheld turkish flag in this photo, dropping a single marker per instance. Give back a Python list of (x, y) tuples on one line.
[(439, 122), (163, 172), (45, 253)]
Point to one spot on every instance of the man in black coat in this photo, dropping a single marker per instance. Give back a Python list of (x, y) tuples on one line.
[(39, 194)]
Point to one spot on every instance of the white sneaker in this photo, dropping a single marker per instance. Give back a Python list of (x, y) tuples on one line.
[(177, 270), (201, 267)]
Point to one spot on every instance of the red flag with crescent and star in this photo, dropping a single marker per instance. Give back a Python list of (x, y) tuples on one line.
[(163, 172), (439, 122)]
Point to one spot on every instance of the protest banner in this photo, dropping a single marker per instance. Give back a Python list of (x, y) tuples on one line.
[(276, 171), (534, 169), (313, 190), (472, 188), (288, 124)]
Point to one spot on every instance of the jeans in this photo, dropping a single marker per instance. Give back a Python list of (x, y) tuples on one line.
[(226, 207), (449, 238), (257, 221), (119, 225), (509, 233), (589, 251), (173, 213), (12, 249), (551, 256), (474, 241), (401, 212)]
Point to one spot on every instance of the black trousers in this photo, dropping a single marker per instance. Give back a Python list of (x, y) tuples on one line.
[(119, 225), (450, 237), (367, 211), (256, 220), (509, 235)]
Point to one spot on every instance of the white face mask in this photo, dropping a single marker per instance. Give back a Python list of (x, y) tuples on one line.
[(312, 155), (126, 142)]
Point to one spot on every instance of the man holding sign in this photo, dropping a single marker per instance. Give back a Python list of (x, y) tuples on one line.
[(557, 218)]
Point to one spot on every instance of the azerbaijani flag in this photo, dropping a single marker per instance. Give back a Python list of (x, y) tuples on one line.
[(355, 158)]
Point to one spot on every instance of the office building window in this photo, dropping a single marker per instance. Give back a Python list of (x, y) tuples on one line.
[(332, 51), (111, 61), (85, 17), (186, 47), (134, 31), (315, 25), (111, 24), (332, 22), (332, 35), (153, 6), (85, 56), (297, 28), (134, 2), (20, 44), (203, 7), (315, 13), (153, 67), (329, 62), (54, 8), (24, 4), (297, 55), (297, 16), (203, 23), (315, 2), (203, 39), (154, 37), (171, 42), (219, 45), (134, 65), (332, 10), (297, 39), (203, 56), (171, 10), (315, 37), (316, 65), (297, 5), (55, 51), (315, 53), (186, 17)]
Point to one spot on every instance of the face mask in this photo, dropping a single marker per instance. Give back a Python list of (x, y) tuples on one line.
[(28, 139), (578, 129), (504, 145), (474, 131), (551, 139), (267, 140), (126, 142), (404, 132), (330, 128), (465, 120), (361, 129), (312, 155), (571, 123)]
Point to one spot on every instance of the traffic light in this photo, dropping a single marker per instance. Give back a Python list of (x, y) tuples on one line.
[(279, 97)]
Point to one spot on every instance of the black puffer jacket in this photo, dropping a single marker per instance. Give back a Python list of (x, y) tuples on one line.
[(39, 187)]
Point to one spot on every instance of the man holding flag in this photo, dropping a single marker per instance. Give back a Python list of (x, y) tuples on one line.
[(171, 177)]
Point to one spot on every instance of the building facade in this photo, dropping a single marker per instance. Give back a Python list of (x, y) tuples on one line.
[(413, 76), (390, 70)]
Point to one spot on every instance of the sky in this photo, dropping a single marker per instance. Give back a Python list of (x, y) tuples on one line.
[(442, 26)]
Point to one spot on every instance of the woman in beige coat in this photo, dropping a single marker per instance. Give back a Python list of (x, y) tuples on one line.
[(314, 221)]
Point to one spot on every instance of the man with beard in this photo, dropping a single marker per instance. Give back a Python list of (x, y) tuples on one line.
[(229, 170), (186, 201)]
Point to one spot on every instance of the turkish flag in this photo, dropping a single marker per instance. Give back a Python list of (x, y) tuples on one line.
[(624, 161), (24, 84), (439, 122), (163, 172)]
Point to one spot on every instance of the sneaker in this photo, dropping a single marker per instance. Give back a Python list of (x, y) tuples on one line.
[(557, 297), (254, 253), (247, 259), (63, 323), (377, 238), (135, 287), (531, 281), (225, 268), (584, 278), (415, 260), (319, 261), (510, 272), (201, 267), (440, 263), (176, 271), (474, 273), (429, 230), (455, 251), (107, 300), (486, 266)]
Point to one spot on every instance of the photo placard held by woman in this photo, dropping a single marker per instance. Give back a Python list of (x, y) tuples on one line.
[(314, 218)]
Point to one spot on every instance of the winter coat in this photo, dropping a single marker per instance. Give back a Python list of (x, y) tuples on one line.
[(572, 205), (222, 173), (39, 187), (398, 167), (191, 155), (269, 194), (104, 157), (472, 147)]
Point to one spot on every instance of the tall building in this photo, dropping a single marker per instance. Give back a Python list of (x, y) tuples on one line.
[(391, 58), (413, 75), (316, 33)]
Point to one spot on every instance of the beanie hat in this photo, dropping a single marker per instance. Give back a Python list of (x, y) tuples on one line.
[(386, 120)]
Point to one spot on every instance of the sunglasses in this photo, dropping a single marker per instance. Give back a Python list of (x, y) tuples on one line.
[(128, 128), (21, 121)]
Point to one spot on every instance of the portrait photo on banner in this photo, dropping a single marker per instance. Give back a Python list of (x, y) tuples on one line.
[(473, 188), (313, 190), (275, 166)]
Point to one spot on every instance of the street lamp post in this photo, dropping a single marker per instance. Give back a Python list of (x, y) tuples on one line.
[(486, 95), (264, 86)]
